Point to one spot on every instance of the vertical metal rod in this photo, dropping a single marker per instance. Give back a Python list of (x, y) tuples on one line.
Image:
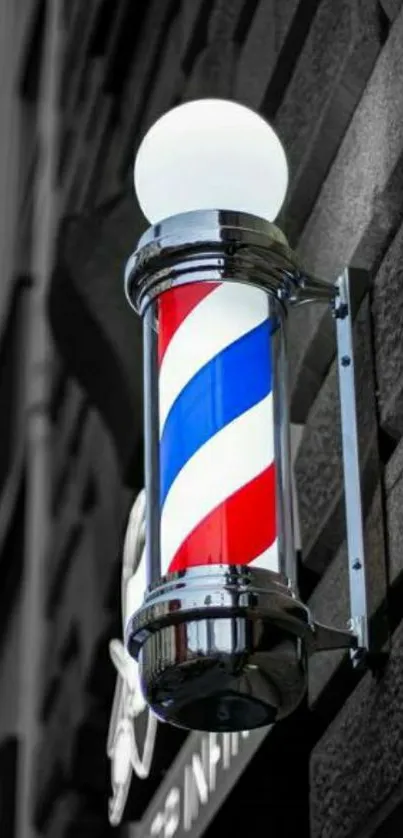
[(151, 449), (282, 445), (351, 466)]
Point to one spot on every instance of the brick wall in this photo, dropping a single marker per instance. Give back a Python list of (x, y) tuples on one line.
[(328, 74)]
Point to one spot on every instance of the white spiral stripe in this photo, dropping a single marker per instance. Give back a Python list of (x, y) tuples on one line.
[(268, 560), (205, 332), (229, 460)]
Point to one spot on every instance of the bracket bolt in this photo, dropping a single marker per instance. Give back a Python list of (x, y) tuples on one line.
[(345, 361), (357, 565), (340, 310)]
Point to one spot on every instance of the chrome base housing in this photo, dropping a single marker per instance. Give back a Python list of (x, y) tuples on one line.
[(221, 648)]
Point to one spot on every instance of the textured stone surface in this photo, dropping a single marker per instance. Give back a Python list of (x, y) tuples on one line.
[(72, 502), (60, 816), (71, 618), (388, 313), (75, 816), (311, 348), (83, 606), (394, 488), (106, 520), (391, 8), (54, 751), (98, 334), (330, 602), (65, 531), (213, 72), (359, 206), (261, 49), (337, 59), (88, 765), (190, 17), (318, 465), (75, 457), (66, 428), (358, 763), (365, 163), (213, 67), (84, 566), (224, 18), (142, 76), (169, 78)]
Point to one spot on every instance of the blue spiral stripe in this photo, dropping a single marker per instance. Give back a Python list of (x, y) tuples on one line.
[(230, 384)]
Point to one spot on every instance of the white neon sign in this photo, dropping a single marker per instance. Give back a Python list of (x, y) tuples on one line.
[(195, 785), (128, 702)]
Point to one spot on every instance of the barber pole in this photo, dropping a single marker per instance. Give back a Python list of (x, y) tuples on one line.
[(217, 469), (220, 544), (221, 637)]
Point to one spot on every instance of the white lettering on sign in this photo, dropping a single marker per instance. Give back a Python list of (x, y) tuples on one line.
[(128, 702), (182, 805), (166, 823)]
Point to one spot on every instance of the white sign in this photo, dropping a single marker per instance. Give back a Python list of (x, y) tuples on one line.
[(181, 806), (128, 702)]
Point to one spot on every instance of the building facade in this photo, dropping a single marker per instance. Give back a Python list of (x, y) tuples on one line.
[(81, 83)]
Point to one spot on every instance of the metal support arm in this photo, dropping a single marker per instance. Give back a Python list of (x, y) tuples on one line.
[(357, 636), (357, 566)]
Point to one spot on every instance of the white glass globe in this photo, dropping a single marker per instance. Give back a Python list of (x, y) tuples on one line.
[(210, 154)]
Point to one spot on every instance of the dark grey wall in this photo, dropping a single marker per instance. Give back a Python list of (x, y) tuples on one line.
[(328, 74)]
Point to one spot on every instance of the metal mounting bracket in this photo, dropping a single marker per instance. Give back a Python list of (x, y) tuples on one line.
[(357, 568)]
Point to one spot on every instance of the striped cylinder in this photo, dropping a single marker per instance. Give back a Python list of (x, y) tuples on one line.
[(216, 427)]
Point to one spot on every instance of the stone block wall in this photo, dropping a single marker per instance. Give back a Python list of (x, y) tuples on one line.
[(90, 507), (328, 74)]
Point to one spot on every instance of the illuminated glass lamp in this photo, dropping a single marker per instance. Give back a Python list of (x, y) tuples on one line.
[(221, 637)]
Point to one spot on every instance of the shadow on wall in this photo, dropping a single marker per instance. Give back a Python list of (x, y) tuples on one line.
[(97, 334)]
